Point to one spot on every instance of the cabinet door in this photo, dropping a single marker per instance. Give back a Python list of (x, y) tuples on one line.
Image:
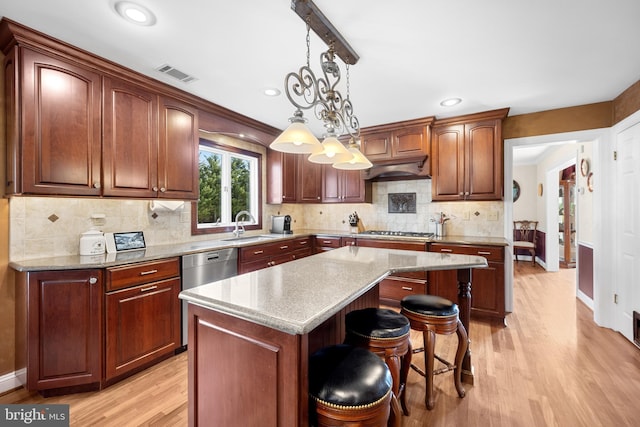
[(281, 177), (310, 181), (344, 186), (142, 326), (13, 179), (130, 145), (377, 146), (447, 162), (61, 145), (64, 330), (178, 174), (410, 142), (331, 185), (483, 161)]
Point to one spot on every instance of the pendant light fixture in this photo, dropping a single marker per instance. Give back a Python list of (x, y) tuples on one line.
[(306, 92)]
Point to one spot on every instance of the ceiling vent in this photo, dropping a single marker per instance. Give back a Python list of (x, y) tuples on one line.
[(176, 74)]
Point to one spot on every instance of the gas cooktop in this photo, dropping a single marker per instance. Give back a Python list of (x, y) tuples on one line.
[(398, 233)]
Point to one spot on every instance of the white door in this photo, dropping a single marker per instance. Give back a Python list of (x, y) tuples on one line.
[(627, 287)]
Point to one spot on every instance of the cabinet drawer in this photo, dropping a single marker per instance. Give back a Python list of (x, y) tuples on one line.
[(393, 244), (146, 272), (257, 252), (394, 289), (327, 242), (491, 253)]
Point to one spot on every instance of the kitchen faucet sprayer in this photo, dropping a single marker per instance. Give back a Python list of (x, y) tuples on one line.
[(239, 227)]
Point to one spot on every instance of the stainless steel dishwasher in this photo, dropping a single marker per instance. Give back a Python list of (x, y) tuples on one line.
[(205, 267)]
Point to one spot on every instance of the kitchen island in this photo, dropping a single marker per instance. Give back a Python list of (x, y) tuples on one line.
[(250, 336)]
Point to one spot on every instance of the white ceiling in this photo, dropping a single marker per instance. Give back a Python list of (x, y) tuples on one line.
[(526, 55)]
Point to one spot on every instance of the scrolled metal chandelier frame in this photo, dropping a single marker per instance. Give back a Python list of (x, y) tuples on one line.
[(305, 91)]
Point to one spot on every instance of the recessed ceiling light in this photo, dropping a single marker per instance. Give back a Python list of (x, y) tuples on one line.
[(450, 102), (135, 13), (271, 91)]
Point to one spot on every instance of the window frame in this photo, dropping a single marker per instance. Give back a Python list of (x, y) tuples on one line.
[(195, 229)]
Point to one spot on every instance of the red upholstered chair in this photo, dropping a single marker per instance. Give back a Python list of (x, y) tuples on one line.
[(525, 235)]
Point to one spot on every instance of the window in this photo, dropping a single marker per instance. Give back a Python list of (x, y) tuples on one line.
[(229, 183)]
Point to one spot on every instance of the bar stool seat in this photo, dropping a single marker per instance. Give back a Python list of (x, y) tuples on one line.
[(436, 315), (386, 333), (347, 385)]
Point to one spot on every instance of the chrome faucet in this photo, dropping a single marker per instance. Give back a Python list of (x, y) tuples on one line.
[(239, 227)]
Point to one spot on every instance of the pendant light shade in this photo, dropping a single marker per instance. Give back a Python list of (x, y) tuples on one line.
[(357, 162), (332, 151), (297, 138)]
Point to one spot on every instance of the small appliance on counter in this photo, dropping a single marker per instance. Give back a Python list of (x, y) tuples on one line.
[(281, 224), (92, 242)]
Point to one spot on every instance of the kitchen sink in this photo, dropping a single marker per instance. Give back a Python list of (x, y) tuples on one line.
[(252, 238)]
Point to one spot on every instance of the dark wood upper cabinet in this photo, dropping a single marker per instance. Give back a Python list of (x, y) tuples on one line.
[(80, 125), (310, 180), (178, 176), (397, 142), (59, 119), (130, 146), (467, 157), (344, 186)]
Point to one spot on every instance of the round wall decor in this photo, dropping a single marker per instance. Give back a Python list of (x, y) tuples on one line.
[(590, 182), (584, 167)]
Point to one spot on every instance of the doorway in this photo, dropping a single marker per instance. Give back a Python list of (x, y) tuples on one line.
[(567, 247)]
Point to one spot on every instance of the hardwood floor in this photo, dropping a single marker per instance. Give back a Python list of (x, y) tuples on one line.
[(551, 366)]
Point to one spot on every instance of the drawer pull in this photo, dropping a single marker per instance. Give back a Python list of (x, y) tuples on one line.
[(93, 280), (258, 252), (406, 288), (304, 242), (446, 250), (150, 288), (145, 273), (326, 242), (484, 253), (284, 247)]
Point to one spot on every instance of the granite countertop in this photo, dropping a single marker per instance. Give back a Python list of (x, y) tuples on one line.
[(71, 262), (297, 296)]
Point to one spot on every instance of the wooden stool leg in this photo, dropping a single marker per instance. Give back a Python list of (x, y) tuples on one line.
[(395, 415), (393, 362), (405, 364), (463, 344), (429, 337)]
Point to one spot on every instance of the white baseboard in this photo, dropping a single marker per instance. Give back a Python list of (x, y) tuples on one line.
[(9, 382)]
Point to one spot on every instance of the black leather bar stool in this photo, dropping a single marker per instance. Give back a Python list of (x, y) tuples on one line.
[(436, 315), (348, 386), (385, 333)]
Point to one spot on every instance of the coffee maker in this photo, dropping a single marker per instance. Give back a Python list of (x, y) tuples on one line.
[(281, 224)]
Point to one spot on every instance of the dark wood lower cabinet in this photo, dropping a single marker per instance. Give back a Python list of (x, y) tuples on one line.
[(398, 285), (142, 326), (245, 374), (59, 330), (256, 257), (487, 283)]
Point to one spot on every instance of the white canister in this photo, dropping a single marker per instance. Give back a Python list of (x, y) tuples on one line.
[(92, 242)]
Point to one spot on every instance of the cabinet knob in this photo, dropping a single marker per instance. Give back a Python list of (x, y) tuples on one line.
[(93, 280), (466, 193), (318, 197), (461, 193), (96, 185), (162, 190), (155, 188)]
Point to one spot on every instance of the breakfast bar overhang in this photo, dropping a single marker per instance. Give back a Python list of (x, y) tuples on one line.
[(250, 336)]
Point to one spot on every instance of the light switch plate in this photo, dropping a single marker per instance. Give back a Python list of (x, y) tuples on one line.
[(492, 216)]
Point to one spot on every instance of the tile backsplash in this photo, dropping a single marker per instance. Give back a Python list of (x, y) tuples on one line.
[(42, 227)]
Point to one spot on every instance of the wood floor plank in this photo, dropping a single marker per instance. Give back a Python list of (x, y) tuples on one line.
[(551, 366)]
